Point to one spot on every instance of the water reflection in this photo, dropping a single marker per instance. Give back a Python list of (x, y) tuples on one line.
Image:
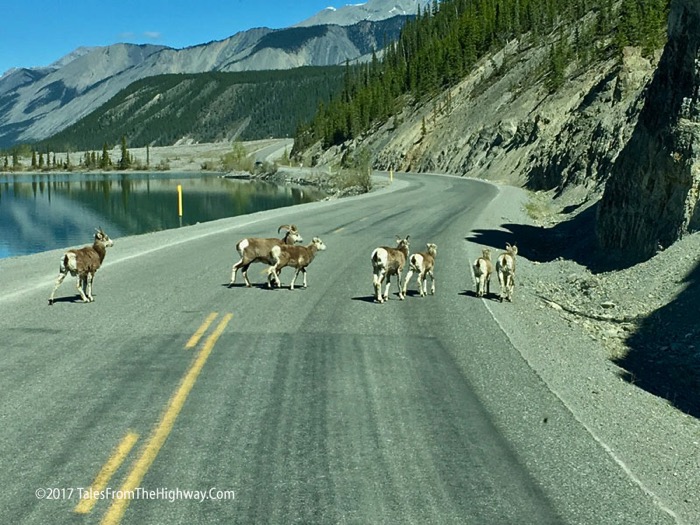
[(43, 212)]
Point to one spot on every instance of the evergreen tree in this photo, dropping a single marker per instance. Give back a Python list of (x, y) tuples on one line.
[(105, 161), (125, 161)]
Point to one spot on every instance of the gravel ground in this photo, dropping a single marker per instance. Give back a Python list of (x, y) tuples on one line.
[(617, 344)]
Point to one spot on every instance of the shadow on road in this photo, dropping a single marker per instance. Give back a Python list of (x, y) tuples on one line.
[(364, 298), (664, 353), (70, 299), (573, 239)]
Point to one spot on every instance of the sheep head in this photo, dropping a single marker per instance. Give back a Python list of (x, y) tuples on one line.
[(102, 237), (318, 243)]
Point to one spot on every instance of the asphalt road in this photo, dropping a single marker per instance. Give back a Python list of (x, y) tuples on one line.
[(304, 406)]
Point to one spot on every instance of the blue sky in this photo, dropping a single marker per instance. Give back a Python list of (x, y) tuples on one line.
[(39, 32)]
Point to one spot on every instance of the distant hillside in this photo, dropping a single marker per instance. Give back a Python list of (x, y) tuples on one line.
[(204, 107), (36, 103)]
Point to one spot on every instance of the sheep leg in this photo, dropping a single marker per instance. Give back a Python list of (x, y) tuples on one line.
[(303, 270), (273, 276), (61, 276), (402, 296), (408, 280), (294, 279), (234, 271), (90, 277), (422, 284), (511, 286), (502, 285), (243, 266), (432, 282), (377, 279), (79, 284), (386, 289)]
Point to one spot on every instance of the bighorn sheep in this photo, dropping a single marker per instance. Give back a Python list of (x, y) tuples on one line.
[(83, 262), (255, 249), (386, 262), (481, 272), (423, 263), (298, 257), (505, 269)]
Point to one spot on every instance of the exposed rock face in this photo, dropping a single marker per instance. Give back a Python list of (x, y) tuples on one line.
[(651, 198), (501, 122)]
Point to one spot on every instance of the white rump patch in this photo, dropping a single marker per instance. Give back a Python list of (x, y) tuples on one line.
[(242, 246), (380, 258), (72, 265), (417, 261)]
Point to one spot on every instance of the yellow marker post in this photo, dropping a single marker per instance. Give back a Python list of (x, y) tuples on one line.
[(179, 200), (391, 175)]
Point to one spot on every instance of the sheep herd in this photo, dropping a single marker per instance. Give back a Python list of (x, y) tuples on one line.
[(387, 261)]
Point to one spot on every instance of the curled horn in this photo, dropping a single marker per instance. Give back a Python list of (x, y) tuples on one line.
[(286, 227)]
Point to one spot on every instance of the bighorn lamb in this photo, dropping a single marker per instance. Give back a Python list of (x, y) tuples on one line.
[(424, 264), (298, 257), (386, 262), (255, 249), (83, 262), (482, 269), (505, 269)]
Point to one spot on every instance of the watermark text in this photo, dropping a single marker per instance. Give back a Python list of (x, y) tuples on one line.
[(139, 493)]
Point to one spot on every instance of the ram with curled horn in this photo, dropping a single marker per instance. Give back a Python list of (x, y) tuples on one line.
[(255, 249)]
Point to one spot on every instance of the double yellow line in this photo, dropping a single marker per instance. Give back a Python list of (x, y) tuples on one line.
[(159, 434)]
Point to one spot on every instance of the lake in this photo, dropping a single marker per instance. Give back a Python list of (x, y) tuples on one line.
[(42, 212)]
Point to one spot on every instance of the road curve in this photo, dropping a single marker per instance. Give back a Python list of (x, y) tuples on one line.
[(305, 406)]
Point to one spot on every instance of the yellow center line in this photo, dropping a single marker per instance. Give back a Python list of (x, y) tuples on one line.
[(104, 475), (200, 331), (165, 425)]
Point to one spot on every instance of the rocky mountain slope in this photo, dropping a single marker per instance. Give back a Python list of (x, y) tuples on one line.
[(502, 123), (652, 197), (38, 102), (628, 124)]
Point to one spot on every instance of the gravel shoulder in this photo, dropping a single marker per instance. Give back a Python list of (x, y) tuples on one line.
[(618, 346)]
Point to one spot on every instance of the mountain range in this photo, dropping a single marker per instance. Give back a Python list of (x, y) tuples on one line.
[(36, 103)]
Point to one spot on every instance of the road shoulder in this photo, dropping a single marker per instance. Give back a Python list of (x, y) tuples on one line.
[(653, 442)]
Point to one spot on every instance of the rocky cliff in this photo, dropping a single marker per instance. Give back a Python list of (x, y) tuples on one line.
[(651, 198), (503, 123)]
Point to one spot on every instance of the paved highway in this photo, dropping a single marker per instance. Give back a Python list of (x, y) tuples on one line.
[(306, 406)]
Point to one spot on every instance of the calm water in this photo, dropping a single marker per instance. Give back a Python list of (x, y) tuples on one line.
[(43, 212)]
